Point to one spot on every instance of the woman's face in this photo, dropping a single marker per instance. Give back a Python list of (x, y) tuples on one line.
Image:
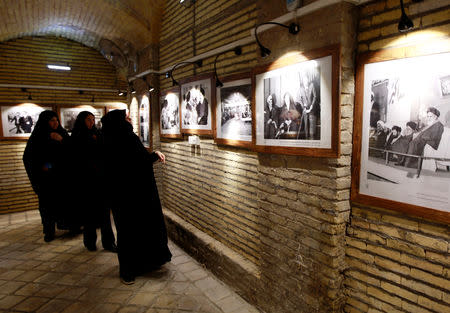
[(269, 100), (53, 123), (89, 121)]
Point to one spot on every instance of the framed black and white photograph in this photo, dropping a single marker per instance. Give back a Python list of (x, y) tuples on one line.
[(444, 86), (68, 115), (234, 111), (402, 134), (297, 104), (169, 113), (144, 121), (197, 104), (18, 121)]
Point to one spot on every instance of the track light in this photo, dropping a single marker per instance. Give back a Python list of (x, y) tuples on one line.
[(405, 23), (199, 63), (237, 51), (93, 99), (187, 3), (150, 88), (29, 97), (293, 29)]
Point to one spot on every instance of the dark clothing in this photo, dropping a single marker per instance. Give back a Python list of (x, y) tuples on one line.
[(89, 185), (141, 231), (202, 112), (273, 114), (431, 136), (45, 163)]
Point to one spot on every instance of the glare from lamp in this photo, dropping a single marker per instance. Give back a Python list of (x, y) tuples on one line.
[(58, 67), (405, 23)]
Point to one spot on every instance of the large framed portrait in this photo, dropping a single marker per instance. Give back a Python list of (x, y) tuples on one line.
[(297, 104), (144, 121), (68, 115), (401, 152), (169, 113), (234, 111), (197, 104), (18, 121)]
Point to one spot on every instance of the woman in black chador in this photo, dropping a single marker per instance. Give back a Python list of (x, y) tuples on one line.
[(44, 159), (141, 231), (89, 182)]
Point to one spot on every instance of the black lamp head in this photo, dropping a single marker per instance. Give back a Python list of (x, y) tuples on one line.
[(199, 63), (219, 84), (264, 51), (405, 23), (294, 28), (29, 97), (238, 50)]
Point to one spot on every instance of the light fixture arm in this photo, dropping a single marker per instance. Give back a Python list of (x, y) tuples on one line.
[(199, 63), (237, 51), (293, 28)]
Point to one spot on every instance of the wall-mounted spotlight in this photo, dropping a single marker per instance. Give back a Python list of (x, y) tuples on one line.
[(293, 29), (405, 23), (131, 88), (30, 97), (122, 93), (149, 87), (93, 99), (237, 51), (199, 63), (187, 3), (80, 92)]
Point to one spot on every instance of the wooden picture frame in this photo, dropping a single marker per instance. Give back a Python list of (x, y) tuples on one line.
[(169, 113), (395, 90), (234, 114), (198, 96), (18, 121), (144, 121), (68, 114), (297, 104)]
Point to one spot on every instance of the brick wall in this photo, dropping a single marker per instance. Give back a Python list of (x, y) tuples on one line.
[(280, 218), (398, 263), (23, 62)]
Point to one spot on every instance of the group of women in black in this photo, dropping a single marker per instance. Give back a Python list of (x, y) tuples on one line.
[(80, 178)]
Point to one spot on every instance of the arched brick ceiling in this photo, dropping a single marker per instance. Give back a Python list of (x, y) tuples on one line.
[(131, 24)]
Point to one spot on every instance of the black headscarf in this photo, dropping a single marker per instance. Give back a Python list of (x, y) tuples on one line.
[(114, 124), (80, 127), (43, 129)]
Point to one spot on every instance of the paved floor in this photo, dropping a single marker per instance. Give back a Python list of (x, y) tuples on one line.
[(62, 276)]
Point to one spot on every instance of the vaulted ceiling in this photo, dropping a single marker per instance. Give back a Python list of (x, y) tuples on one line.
[(131, 24)]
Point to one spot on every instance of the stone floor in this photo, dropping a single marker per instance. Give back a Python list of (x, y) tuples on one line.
[(62, 276)]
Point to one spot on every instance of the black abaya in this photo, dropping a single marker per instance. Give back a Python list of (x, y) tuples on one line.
[(141, 231)]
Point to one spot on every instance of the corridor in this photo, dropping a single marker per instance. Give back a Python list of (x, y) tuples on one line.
[(62, 276)]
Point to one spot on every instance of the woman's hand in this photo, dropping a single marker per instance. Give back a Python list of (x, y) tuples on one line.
[(162, 157), (56, 136)]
